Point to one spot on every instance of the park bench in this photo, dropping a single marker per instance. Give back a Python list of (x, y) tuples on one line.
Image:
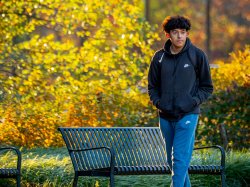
[(125, 151), (7, 172)]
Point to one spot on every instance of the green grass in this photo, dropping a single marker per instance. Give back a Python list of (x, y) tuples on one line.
[(52, 168)]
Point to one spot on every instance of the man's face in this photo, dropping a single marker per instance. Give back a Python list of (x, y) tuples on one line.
[(178, 37)]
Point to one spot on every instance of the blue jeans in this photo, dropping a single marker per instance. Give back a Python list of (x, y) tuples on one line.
[(179, 137)]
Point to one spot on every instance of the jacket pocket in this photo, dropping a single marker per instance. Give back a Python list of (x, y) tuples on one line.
[(184, 103), (166, 103)]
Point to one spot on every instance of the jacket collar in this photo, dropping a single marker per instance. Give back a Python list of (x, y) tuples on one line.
[(168, 44)]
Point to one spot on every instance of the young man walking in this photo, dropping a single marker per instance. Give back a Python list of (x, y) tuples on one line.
[(179, 81)]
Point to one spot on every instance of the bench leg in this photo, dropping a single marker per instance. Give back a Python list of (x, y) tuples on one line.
[(223, 180), (18, 181), (112, 180), (75, 181)]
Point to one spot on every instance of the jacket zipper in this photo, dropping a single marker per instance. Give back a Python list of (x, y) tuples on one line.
[(175, 65), (173, 96)]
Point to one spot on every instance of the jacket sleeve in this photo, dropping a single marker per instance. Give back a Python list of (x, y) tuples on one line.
[(205, 85), (154, 75)]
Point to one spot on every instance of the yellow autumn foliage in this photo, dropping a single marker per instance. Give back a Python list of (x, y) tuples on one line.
[(80, 63), (76, 63), (236, 72)]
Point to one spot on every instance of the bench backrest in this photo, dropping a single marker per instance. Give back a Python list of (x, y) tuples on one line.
[(132, 146)]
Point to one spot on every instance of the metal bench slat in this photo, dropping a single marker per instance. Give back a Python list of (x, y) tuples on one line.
[(137, 148), (128, 148), (107, 143), (134, 148), (79, 156), (86, 164), (158, 151), (8, 172), (85, 159), (151, 147), (141, 148), (96, 158), (122, 157), (125, 148), (67, 139), (131, 149), (147, 147), (161, 143), (107, 136), (92, 155), (154, 146), (103, 157), (147, 156)]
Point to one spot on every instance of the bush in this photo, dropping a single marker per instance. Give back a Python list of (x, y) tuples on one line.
[(83, 66), (230, 108), (229, 105)]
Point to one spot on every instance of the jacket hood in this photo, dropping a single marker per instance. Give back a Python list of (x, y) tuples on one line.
[(169, 43)]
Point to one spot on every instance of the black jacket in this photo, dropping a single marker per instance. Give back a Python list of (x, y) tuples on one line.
[(175, 86)]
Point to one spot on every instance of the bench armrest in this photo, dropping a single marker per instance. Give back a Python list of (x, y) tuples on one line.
[(111, 151), (223, 156), (17, 152)]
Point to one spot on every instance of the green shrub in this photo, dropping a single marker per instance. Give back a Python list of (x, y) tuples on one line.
[(232, 109), (230, 103)]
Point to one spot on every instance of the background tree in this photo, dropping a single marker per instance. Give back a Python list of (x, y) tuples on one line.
[(85, 63), (229, 105), (77, 63), (229, 23)]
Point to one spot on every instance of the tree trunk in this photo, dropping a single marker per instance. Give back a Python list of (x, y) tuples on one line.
[(147, 7), (223, 135), (208, 28)]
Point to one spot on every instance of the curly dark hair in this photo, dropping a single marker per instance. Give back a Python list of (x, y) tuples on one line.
[(175, 22)]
